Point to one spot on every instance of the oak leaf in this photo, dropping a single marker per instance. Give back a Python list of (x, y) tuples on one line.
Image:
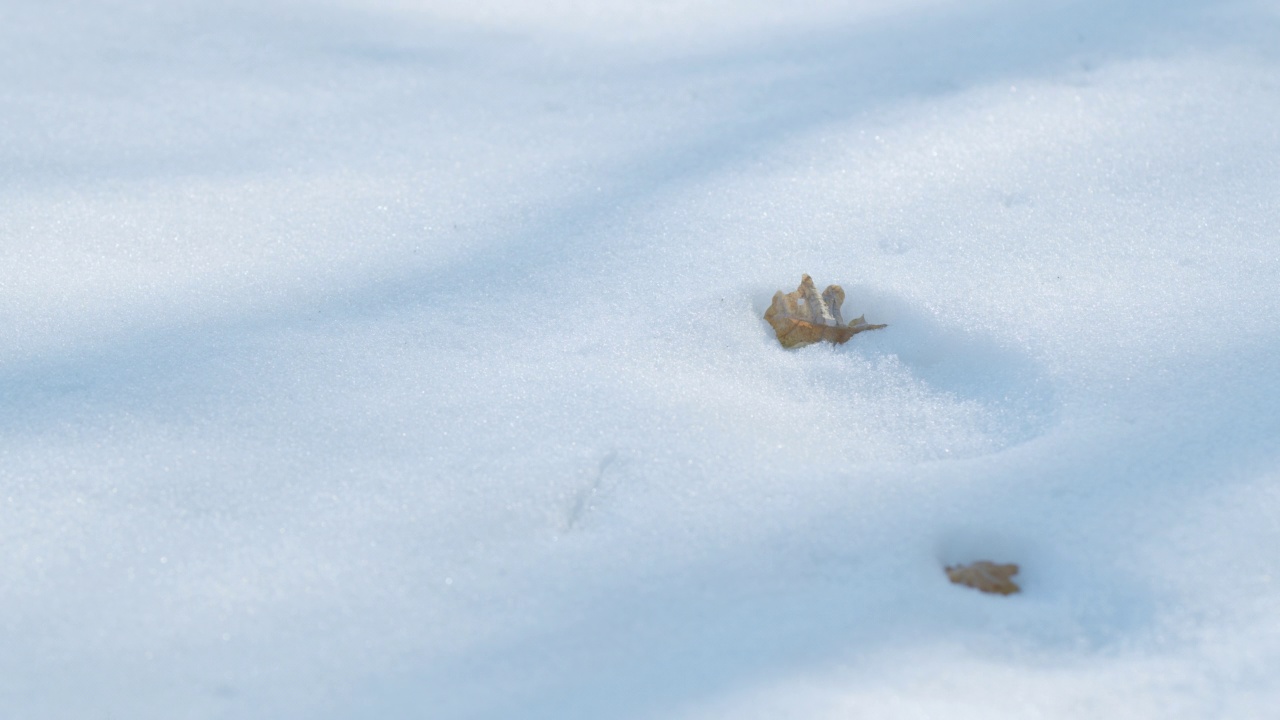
[(986, 576), (805, 317)]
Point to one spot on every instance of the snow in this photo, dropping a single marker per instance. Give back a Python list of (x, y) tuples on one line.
[(404, 358)]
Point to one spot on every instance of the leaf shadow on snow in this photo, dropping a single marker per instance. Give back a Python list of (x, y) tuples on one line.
[(1010, 386), (858, 584)]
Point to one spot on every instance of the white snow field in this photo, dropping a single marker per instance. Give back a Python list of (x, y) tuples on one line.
[(404, 359)]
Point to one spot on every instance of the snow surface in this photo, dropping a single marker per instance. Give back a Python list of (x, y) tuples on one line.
[(404, 359)]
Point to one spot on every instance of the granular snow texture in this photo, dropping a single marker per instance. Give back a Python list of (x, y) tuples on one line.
[(405, 359)]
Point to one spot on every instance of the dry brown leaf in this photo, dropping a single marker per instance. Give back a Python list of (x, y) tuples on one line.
[(804, 317), (986, 576)]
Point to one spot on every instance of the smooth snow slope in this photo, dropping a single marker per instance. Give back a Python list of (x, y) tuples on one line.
[(403, 359)]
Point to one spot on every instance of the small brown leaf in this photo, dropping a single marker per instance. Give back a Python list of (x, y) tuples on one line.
[(804, 317), (986, 576)]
